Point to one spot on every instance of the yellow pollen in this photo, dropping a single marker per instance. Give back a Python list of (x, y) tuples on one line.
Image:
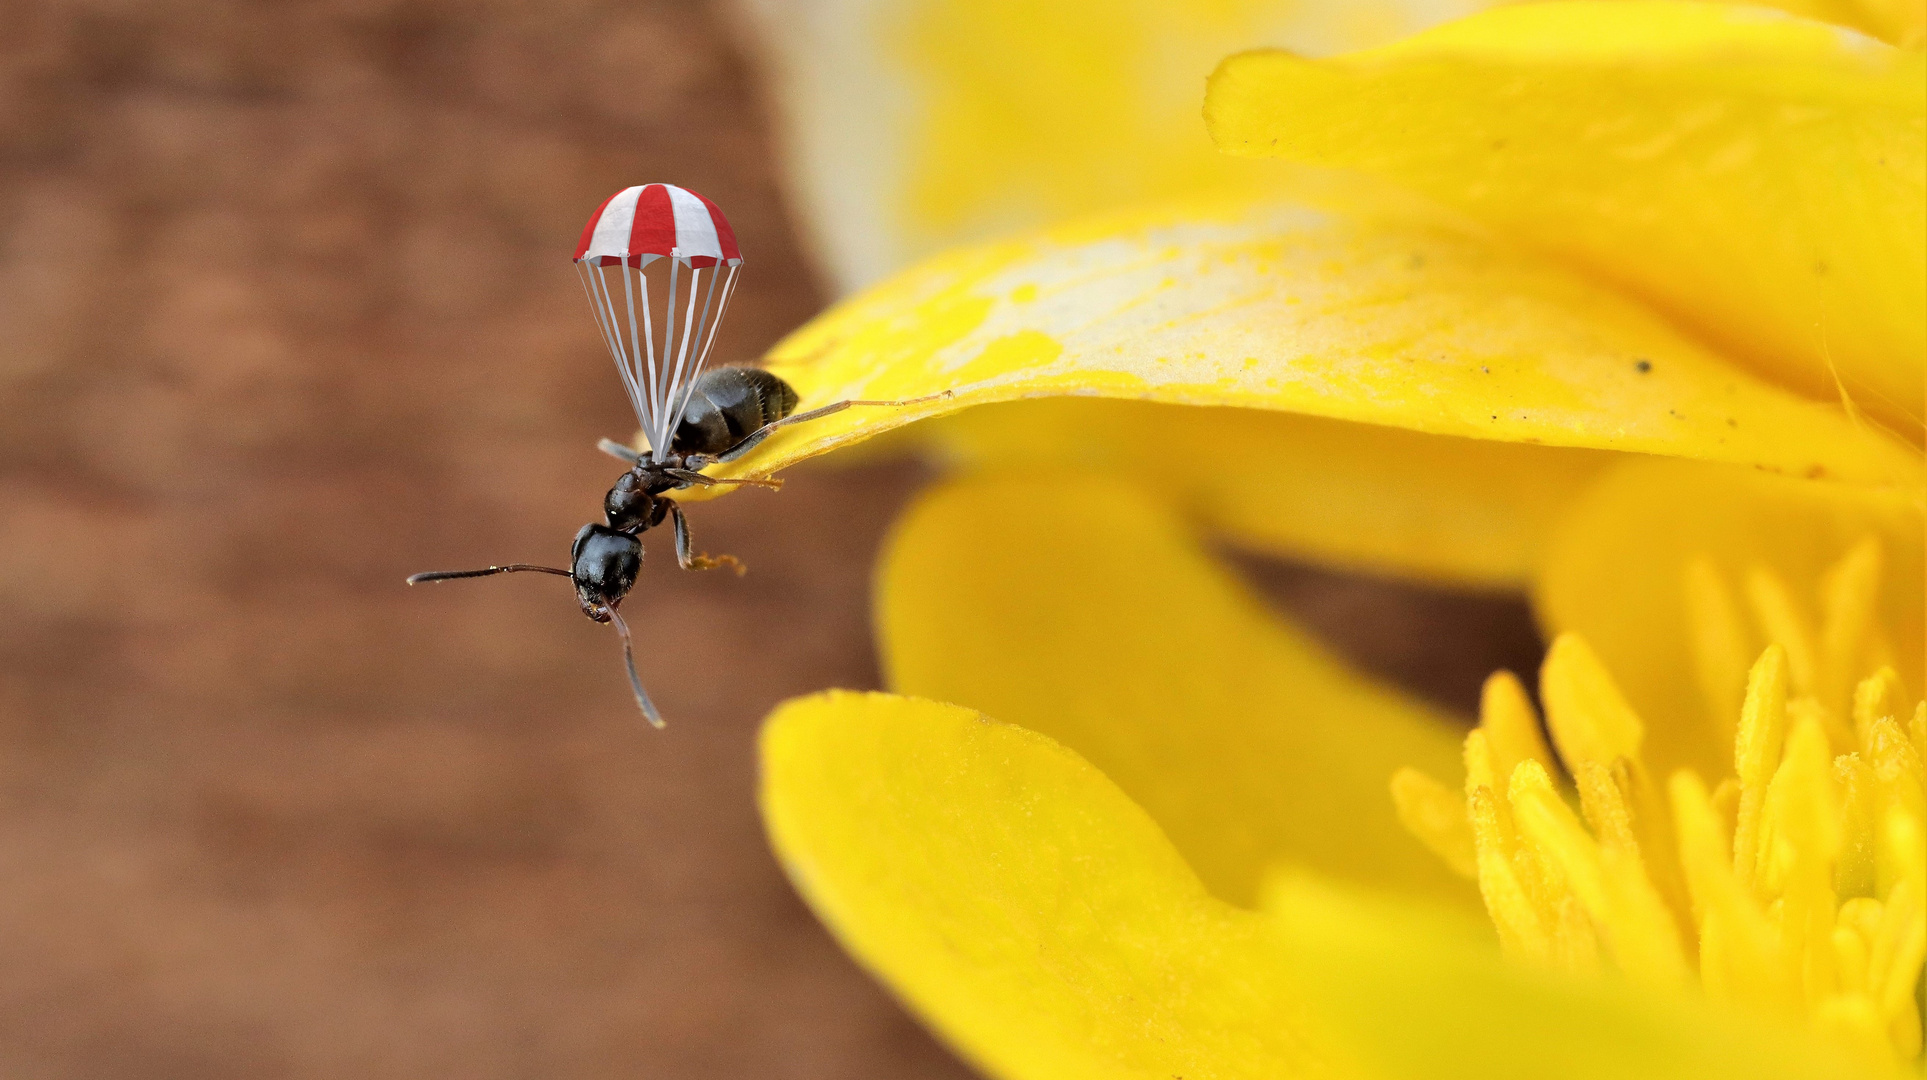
[(1796, 886)]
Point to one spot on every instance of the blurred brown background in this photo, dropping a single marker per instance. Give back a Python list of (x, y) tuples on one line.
[(285, 314)]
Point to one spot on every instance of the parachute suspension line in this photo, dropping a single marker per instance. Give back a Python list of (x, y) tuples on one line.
[(623, 350), (611, 338), (635, 336), (729, 290), (659, 394), (707, 340), (706, 332), (657, 436), (627, 360), (583, 274), (649, 349), (694, 343), (605, 311), (669, 415)]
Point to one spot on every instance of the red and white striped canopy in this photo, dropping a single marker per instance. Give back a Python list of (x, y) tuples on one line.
[(639, 224)]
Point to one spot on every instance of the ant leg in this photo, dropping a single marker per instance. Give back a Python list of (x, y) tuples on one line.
[(689, 478), (749, 441), (697, 562), (620, 452)]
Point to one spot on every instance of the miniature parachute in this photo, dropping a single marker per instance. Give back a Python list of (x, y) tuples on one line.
[(683, 241)]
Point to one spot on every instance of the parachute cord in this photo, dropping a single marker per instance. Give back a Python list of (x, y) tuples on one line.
[(635, 337), (705, 334), (668, 346), (611, 338)]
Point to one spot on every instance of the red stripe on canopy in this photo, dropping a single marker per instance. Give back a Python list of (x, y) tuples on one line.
[(654, 231)]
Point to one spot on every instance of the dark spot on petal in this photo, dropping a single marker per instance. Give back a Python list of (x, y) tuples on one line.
[(1643, 366)]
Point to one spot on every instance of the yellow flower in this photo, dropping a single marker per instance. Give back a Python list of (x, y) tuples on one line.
[(1619, 303), (1076, 871), (1655, 239)]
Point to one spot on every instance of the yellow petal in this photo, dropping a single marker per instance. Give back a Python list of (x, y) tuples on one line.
[(1343, 315), (1410, 993), (1761, 178), (1367, 498), (913, 126), (1016, 899), (1619, 566), (1899, 22), (1082, 610)]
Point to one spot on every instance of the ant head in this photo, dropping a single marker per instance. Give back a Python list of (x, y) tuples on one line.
[(603, 564)]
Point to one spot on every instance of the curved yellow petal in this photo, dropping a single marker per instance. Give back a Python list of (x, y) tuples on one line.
[(1897, 22), (1017, 901), (1761, 178), (913, 125), (1464, 512), (1083, 611), (1653, 565), (1406, 992), (1346, 315)]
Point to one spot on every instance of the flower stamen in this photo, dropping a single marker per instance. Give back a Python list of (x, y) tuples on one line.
[(1796, 886)]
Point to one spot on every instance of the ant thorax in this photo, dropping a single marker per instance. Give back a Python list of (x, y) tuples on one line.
[(635, 502)]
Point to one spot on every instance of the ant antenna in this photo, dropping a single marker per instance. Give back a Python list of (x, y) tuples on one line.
[(512, 568), (635, 682)]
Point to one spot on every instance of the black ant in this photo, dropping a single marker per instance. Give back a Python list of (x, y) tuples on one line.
[(729, 411)]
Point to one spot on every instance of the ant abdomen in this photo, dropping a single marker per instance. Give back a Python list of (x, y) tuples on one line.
[(728, 404)]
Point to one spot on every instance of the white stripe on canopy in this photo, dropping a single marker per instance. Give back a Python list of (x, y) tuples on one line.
[(612, 228), (695, 230)]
